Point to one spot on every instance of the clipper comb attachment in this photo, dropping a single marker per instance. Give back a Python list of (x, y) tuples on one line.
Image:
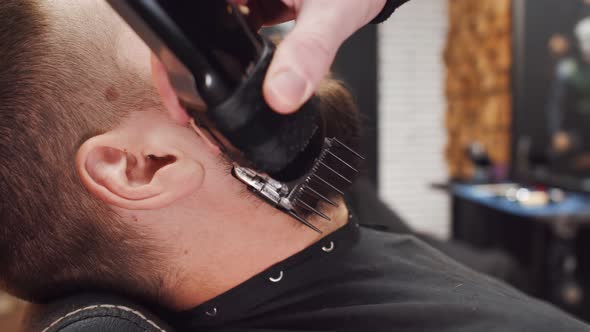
[(332, 173)]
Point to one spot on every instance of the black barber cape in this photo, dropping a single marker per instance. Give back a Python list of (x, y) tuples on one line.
[(359, 279)]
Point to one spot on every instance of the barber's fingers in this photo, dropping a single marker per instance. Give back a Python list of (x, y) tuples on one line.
[(167, 94), (304, 57)]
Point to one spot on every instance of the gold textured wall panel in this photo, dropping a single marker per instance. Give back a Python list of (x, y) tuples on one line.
[(478, 60)]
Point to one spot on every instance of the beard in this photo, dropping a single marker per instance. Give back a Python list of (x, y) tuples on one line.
[(340, 114)]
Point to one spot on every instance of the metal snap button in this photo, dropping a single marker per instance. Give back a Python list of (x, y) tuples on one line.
[(275, 280), (211, 313), (330, 248)]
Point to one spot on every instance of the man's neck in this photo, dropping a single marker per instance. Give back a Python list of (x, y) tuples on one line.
[(243, 242)]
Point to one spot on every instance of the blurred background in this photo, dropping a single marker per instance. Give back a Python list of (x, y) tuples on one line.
[(477, 136)]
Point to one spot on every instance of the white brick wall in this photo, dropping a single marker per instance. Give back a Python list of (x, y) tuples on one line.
[(412, 106)]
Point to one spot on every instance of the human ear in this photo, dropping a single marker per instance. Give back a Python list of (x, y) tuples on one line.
[(136, 176)]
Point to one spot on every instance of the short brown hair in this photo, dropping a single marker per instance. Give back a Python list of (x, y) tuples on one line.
[(54, 237)]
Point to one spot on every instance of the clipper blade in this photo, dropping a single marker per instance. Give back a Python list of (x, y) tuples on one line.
[(331, 175), (332, 172)]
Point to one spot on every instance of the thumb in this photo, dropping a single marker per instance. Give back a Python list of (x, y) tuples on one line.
[(304, 57)]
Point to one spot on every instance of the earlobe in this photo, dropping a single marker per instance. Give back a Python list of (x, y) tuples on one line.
[(136, 178)]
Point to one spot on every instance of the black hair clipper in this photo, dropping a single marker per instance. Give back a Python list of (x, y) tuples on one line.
[(217, 62)]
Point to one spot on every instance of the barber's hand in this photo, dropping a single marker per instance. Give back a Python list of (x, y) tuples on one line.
[(305, 56)]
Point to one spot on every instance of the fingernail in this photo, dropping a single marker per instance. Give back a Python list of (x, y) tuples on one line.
[(289, 87)]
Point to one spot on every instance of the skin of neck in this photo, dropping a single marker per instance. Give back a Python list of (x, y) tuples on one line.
[(226, 236)]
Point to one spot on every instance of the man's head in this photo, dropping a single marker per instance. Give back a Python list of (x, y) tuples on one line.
[(99, 189), (61, 83)]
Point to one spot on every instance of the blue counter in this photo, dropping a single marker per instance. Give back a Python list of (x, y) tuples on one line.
[(574, 205)]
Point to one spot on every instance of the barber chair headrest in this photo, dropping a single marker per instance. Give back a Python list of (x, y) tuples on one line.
[(93, 313)]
